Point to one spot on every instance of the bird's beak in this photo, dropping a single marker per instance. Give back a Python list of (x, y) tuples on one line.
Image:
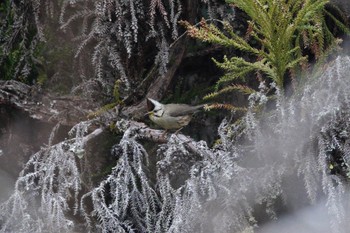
[(148, 113)]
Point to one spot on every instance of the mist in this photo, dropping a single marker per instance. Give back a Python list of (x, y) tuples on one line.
[(6, 183), (311, 219), (285, 176)]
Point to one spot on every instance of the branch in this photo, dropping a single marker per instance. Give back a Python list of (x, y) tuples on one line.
[(140, 130), (160, 84), (68, 110)]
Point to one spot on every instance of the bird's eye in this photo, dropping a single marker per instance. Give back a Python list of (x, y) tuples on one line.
[(157, 112)]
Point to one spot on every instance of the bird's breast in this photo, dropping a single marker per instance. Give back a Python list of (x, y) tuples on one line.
[(169, 122)]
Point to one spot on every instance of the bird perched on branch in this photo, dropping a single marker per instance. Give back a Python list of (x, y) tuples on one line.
[(171, 116)]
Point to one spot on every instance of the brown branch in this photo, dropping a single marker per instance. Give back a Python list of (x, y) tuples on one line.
[(68, 110), (157, 89), (159, 86)]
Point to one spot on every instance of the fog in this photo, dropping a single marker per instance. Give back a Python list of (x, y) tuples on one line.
[(311, 219), (6, 183)]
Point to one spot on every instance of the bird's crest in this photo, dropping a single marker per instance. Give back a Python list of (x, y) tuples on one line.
[(153, 104)]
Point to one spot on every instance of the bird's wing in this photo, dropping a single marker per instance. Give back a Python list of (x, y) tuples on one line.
[(176, 110)]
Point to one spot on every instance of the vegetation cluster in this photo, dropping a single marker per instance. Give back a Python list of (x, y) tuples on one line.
[(292, 129)]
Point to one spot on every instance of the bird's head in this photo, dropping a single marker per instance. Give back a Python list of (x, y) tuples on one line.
[(154, 108)]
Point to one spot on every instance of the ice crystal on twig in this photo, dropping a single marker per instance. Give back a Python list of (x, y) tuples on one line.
[(45, 190), (125, 200)]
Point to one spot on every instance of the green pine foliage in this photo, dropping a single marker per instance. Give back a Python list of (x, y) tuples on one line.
[(277, 36)]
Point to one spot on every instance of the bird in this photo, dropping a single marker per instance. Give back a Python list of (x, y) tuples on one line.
[(171, 116)]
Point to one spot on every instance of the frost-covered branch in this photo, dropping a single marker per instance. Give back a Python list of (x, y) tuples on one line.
[(48, 187)]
